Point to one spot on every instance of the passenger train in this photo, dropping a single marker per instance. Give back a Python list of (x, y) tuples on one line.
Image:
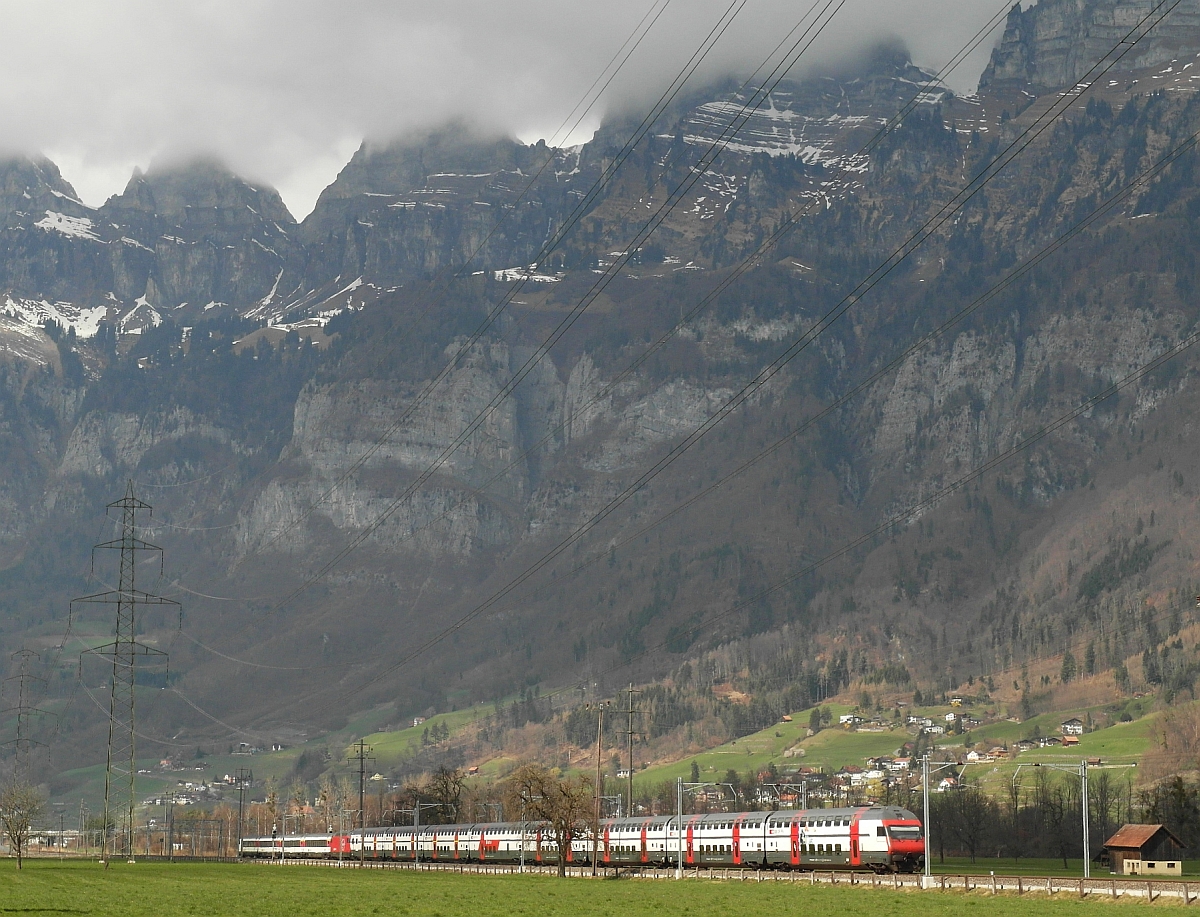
[(879, 838)]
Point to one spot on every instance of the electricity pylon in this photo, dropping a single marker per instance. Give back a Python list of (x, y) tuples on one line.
[(124, 651), (24, 743)]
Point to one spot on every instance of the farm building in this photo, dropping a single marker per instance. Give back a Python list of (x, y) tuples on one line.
[(1144, 849)]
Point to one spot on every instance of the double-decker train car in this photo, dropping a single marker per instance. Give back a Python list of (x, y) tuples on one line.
[(880, 838)]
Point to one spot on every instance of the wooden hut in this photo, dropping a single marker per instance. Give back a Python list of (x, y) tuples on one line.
[(1144, 849)]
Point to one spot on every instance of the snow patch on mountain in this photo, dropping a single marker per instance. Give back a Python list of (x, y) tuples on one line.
[(139, 318), (510, 274), (34, 313), (76, 227)]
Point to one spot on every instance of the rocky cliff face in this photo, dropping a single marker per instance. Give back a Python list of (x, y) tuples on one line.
[(1054, 43), (268, 448)]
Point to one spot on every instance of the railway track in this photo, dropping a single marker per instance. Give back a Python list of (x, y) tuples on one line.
[(1108, 887)]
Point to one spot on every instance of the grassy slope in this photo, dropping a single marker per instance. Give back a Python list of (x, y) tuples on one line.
[(834, 747), (391, 747), (160, 890), (87, 783), (829, 749)]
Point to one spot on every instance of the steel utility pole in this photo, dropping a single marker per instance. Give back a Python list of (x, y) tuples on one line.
[(242, 777), (678, 827), (83, 829), (925, 772), (925, 809), (121, 770), (629, 732), (362, 754), (597, 791), (170, 827)]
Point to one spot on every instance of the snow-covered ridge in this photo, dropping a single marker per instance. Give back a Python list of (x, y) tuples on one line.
[(36, 312), (77, 227)]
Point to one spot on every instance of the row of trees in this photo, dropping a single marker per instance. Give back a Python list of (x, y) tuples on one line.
[(1043, 817)]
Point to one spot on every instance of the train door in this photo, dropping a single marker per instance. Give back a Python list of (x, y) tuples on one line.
[(644, 857), (737, 842), (537, 856), (607, 842), (691, 847), (795, 842), (855, 846), (456, 845), (434, 854), (482, 845)]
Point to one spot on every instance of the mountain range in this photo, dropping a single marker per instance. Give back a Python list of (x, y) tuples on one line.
[(362, 459)]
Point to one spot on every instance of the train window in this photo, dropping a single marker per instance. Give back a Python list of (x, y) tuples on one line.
[(837, 848)]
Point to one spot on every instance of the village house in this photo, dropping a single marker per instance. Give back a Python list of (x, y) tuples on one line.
[(1072, 727)]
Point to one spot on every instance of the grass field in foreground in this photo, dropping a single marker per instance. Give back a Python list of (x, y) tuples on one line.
[(162, 890)]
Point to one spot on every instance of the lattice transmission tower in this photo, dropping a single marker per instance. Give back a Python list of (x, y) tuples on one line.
[(124, 652), (24, 743)]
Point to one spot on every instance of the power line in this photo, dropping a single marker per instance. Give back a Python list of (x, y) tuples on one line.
[(875, 277), (798, 48), (865, 384), (750, 388), (1029, 135), (560, 329), (762, 92), (915, 509), (581, 207), (614, 384)]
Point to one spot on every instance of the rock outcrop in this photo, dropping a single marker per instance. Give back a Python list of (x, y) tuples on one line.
[(1055, 43)]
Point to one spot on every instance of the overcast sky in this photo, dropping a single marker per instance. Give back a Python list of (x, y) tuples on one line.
[(285, 90)]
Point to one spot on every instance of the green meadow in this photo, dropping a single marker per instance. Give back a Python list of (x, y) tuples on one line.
[(232, 890)]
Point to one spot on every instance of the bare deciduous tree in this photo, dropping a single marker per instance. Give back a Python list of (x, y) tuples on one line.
[(446, 788), (564, 804), (20, 806)]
